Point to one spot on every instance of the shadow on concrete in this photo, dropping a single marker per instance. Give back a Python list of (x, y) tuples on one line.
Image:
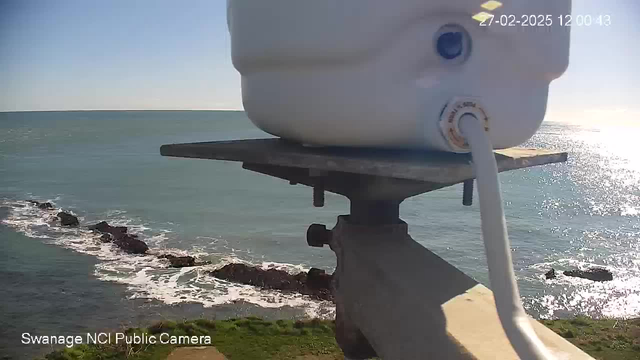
[(392, 289)]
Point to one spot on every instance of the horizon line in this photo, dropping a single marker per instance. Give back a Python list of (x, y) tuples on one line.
[(88, 110)]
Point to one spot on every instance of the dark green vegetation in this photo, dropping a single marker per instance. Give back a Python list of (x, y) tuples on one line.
[(253, 338), (250, 338), (607, 339)]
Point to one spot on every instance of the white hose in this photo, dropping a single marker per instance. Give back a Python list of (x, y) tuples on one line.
[(515, 321)]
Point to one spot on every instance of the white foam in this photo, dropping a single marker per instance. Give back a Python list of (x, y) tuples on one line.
[(290, 268), (173, 286), (629, 210), (28, 219), (148, 277), (564, 262), (619, 298)]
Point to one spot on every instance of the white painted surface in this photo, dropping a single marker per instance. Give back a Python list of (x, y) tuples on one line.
[(514, 320), (367, 73)]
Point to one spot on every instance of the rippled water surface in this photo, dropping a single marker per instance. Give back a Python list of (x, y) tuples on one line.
[(106, 166)]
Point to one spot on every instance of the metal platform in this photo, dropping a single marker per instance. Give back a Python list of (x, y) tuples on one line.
[(394, 298), (365, 176), (422, 166)]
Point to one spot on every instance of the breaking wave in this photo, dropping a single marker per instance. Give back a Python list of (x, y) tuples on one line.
[(147, 276)]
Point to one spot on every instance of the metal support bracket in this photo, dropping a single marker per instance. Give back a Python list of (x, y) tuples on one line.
[(394, 298)]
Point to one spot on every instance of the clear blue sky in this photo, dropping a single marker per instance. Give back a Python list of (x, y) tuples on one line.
[(157, 54)]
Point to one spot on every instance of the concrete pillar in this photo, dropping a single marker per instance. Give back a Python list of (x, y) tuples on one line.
[(407, 303)]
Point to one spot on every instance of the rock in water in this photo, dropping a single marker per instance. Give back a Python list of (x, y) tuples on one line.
[(315, 283), (105, 228), (42, 206), (250, 275), (551, 274), (131, 244), (594, 273), (67, 219), (179, 261), (45, 206), (318, 279), (118, 235), (318, 284), (105, 238)]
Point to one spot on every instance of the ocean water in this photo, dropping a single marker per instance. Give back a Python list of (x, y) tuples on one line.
[(105, 165)]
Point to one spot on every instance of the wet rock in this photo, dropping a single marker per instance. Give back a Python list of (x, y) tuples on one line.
[(551, 274), (46, 206), (594, 273), (67, 219), (105, 228), (316, 283), (118, 235), (129, 243), (318, 279), (180, 261), (42, 206), (106, 238)]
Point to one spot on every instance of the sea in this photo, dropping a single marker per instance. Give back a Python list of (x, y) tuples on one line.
[(106, 165)]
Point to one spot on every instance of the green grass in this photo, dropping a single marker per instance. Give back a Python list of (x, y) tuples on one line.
[(607, 339), (253, 338), (238, 339)]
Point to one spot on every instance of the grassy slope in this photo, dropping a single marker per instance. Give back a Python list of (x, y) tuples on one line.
[(253, 338), (250, 338), (608, 339)]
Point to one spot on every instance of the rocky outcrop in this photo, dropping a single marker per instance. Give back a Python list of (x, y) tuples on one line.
[(594, 273), (316, 283), (119, 236), (182, 261), (46, 206), (104, 228), (67, 219), (551, 274), (318, 279), (42, 206), (179, 261), (129, 243)]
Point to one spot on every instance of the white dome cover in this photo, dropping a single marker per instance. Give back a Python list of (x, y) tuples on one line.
[(367, 73)]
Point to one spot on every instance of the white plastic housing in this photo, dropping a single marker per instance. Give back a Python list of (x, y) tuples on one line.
[(367, 72)]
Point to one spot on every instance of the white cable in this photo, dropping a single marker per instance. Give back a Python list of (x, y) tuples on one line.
[(515, 321)]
